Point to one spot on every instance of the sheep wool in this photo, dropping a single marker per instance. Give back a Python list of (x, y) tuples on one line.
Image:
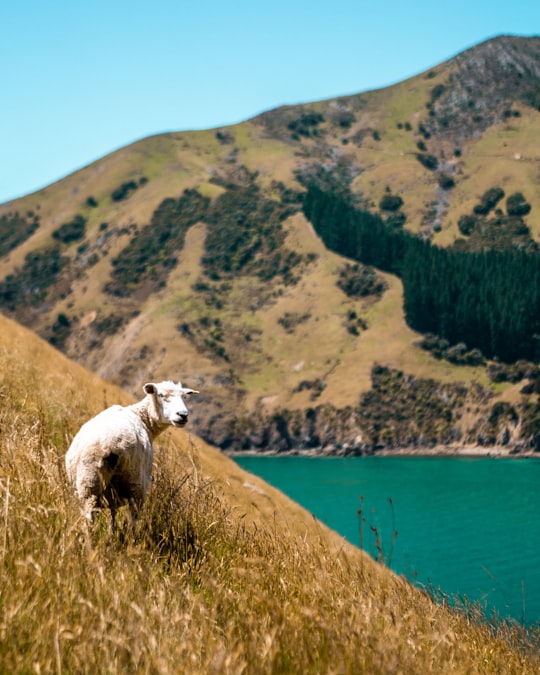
[(109, 461)]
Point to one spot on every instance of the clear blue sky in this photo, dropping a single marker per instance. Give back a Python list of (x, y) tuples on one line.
[(80, 79)]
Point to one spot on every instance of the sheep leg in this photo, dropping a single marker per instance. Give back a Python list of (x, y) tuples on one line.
[(134, 513), (111, 500), (89, 491), (90, 506), (135, 504)]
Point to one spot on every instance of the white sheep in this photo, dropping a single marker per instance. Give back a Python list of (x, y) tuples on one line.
[(111, 456)]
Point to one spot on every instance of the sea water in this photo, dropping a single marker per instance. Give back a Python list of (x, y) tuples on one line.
[(465, 527)]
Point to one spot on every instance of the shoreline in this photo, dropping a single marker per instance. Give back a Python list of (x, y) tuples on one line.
[(468, 451), (461, 451)]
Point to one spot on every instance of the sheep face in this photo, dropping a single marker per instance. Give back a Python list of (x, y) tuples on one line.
[(169, 402)]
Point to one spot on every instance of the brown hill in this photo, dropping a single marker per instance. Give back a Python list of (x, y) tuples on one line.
[(188, 253)]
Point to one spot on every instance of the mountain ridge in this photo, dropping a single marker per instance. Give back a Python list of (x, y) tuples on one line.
[(246, 298)]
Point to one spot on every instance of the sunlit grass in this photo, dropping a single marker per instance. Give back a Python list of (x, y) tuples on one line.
[(215, 581)]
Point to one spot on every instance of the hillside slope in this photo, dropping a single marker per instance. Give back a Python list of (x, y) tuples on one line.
[(187, 255), (226, 574)]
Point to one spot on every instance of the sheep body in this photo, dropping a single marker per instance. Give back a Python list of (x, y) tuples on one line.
[(109, 461)]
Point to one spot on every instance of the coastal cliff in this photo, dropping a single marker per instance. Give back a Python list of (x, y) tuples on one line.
[(400, 413)]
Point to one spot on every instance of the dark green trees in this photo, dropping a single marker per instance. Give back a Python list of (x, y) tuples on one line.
[(488, 300)]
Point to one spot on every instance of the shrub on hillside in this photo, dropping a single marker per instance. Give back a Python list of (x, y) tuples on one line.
[(489, 200), (500, 232), (224, 137), (27, 286), (446, 182), (390, 202), (428, 161), (359, 281), (516, 205), (343, 118), (423, 131), (354, 323), (334, 176), (457, 354), (74, 230), (513, 372), (502, 411), (60, 331), (124, 190), (14, 229), (437, 91), (290, 320), (306, 124), (207, 334), (396, 220), (287, 194)]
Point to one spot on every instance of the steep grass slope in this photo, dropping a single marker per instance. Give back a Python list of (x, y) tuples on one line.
[(109, 266), (226, 575)]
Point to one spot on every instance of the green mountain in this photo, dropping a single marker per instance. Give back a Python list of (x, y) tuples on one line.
[(189, 256)]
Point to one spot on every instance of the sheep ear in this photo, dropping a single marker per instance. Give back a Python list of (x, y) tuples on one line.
[(150, 388), (190, 392)]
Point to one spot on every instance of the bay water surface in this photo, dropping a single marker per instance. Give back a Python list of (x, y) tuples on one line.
[(465, 526)]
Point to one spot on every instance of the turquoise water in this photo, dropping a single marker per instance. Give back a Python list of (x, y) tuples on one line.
[(469, 527)]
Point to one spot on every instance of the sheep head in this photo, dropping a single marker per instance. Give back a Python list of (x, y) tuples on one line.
[(168, 398)]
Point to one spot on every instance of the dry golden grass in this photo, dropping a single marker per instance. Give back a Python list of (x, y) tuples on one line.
[(226, 575)]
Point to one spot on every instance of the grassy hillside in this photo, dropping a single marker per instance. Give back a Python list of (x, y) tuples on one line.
[(135, 278), (226, 574)]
